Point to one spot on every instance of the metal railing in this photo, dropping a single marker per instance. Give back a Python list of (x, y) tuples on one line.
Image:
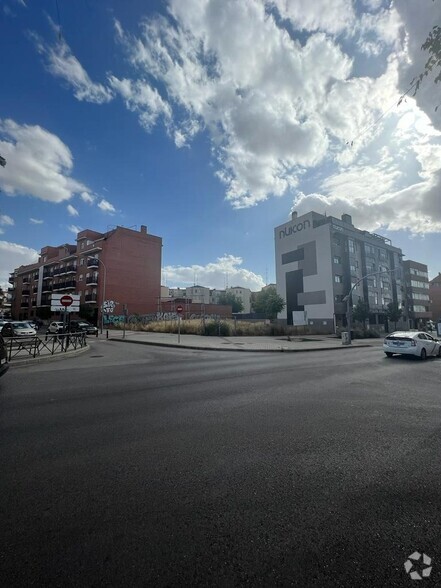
[(37, 346)]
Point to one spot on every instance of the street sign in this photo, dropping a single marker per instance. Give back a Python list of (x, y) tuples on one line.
[(179, 309), (66, 300), (65, 303)]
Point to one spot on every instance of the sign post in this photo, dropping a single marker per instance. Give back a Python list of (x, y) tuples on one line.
[(179, 310)]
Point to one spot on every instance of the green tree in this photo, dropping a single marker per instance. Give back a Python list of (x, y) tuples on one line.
[(268, 302), (360, 312), (232, 300), (432, 45), (394, 313)]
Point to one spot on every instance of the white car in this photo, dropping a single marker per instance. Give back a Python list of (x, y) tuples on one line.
[(415, 343), (17, 329), (56, 327)]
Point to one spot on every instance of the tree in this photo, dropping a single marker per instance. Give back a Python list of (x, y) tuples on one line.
[(394, 313), (361, 311), (268, 302), (232, 300), (432, 45)]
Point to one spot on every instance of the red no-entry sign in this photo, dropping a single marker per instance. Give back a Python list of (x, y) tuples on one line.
[(66, 300), (179, 309)]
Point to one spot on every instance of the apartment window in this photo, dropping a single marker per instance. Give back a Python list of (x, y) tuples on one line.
[(385, 285), (375, 297), (369, 249), (417, 284), (338, 279), (82, 261), (337, 259), (82, 244), (80, 278), (351, 244), (354, 267), (419, 308)]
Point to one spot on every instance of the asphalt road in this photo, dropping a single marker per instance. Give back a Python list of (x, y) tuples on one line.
[(136, 466)]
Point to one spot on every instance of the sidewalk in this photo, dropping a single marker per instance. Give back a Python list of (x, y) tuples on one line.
[(279, 343)]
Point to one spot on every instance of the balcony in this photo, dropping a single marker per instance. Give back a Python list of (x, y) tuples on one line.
[(11, 290), (70, 269), (93, 281), (47, 275), (34, 303), (24, 305), (90, 298), (26, 280), (45, 302), (34, 289), (72, 284), (57, 271), (46, 288), (11, 279), (93, 262)]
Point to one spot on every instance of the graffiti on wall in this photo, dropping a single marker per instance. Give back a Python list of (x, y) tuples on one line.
[(143, 319)]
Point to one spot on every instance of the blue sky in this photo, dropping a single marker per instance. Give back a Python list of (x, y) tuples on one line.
[(209, 120)]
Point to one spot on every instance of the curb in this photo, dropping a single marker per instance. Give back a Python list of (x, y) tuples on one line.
[(41, 359), (200, 348)]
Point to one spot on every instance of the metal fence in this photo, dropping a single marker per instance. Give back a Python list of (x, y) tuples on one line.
[(36, 346)]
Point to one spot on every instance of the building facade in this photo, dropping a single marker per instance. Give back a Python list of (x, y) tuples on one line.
[(320, 258), (417, 304), (435, 297), (121, 265)]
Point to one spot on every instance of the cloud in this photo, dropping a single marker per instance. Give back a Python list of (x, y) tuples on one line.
[(39, 163), (140, 97), (72, 211), (106, 206), (86, 197), (332, 17), (74, 229), (36, 221), (13, 255), (61, 62), (214, 275), (6, 220)]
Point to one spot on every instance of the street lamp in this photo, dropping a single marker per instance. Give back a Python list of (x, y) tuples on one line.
[(348, 299), (104, 291)]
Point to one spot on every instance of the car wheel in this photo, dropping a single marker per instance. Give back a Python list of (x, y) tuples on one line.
[(423, 354), (388, 354)]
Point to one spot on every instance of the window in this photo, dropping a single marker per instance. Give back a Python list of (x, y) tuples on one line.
[(351, 244), (337, 259), (338, 298), (80, 278), (417, 284), (369, 249), (82, 244), (354, 266), (82, 261), (338, 279), (375, 297), (419, 308)]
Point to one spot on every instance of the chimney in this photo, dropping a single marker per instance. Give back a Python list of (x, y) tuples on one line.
[(293, 215), (144, 229), (346, 218)]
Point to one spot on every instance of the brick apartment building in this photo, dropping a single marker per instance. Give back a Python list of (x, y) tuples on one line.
[(122, 265), (416, 283), (435, 297)]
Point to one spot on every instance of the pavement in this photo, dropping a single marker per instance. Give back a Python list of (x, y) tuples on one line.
[(260, 343), (247, 344)]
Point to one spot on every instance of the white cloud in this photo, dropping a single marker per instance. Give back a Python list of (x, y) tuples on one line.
[(6, 220), (74, 229), (215, 274), (38, 163), (36, 221), (333, 17), (87, 197), (140, 97), (106, 206), (13, 255), (61, 62), (72, 210)]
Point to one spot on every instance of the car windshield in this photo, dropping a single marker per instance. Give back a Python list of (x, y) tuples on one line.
[(21, 326)]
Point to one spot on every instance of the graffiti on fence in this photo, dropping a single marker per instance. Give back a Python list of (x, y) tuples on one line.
[(143, 319)]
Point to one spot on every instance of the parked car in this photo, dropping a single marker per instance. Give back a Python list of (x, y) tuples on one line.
[(18, 329), (4, 366), (79, 325), (55, 328), (415, 343)]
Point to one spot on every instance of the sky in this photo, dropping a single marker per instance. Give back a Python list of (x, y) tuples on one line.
[(209, 121)]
